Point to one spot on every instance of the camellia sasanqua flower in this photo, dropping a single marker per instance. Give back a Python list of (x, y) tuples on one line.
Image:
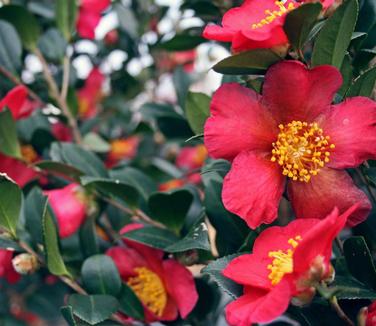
[(6, 267), (17, 170), (89, 16), (16, 100), (286, 262), (255, 24), (70, 205), (291, 134), (164, 286), (122, 149)]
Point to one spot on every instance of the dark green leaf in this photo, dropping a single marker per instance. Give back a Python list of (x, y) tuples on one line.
[(88, 238), (249, 62), (197, 238), (52, 45), (152, 236), (347, 73), (6, 243), (24, 22), (215, 268), (171, 208), (100, 275), (348, 288), (67, 313), (182, 81), (181, 42), (359, 261), (334, 38), (10, 48), (66, 13), (60, 169), (300, 22), (10, 204), (130, 304), (96, 143), (197, 110), (55, 263), (8, 135), (93, 309), (113, 188), (364, 85)]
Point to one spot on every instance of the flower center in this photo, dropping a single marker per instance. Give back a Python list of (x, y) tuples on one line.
[(29, 154), (272, 15), (282, 261), (149, 289), (200, 155), (301, 150)]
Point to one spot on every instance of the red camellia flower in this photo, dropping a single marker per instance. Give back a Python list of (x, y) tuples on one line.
[(370, 313), (122, 149), (70, 205), (164, 286), (89, 16), (17, 102), (192, 158), (255, 24), (291, 135), (91, 94), (286, 262), (6, 268), (17, 170)]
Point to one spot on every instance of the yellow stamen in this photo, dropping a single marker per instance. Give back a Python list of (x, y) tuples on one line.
[(29, 154), (282, 262), (301, 150), (272, 15), (149, 289)]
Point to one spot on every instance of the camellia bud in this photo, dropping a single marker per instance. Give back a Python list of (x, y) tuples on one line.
[(25, 264)]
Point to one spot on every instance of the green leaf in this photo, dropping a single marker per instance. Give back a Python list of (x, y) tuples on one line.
[(88, 238), (197, 111), (8, 135), (130, 304), (10, 204), (60, 169), (249, 62), (10, 47), (100, 275), (152, 237), (67, 313), (364, 85), (96, 143), (78, 157), (215, 268), (359, 261), (334, 38), (347, 74), (181, 42), (197, 238), (24, 22), (9, 244), (93, 309), (113, 189), (182, 81), (55, 262), (66, 14), (300, 22), (52, 45), (171, 208), (349, 288)]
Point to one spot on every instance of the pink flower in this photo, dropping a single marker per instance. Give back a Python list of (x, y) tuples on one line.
[(6, 268), (164, 286), (69, 205), (17, 170), (62, 132), (291, 134), (89, 16), (17, 102)]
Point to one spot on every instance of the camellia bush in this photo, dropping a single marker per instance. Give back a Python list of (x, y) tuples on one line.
[(187, 162)]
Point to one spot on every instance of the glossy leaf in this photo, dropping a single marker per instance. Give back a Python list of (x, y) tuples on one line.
[(67, 313), (130, 304), (10, 47), (197, 111), (9, 144), (66, 14), (364, 85), (181, 42), (60, 169)]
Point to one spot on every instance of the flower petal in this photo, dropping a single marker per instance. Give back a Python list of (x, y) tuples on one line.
[(291, 91), (15, 100), (238, 122), (180, 285), (258, 306), (218, 33), (351, 126), (17, 170), (329, 188), (253, 188)]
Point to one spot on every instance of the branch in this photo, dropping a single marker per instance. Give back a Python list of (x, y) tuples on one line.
[(65, 83)]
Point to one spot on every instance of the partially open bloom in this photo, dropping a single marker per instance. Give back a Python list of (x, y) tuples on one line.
[(286, 262), (255, 24), (89, 16), (70, 206), (91, 94), (122, 149), (17, 102), (17, 170), (164, 286), (6, 268), (291, 135)]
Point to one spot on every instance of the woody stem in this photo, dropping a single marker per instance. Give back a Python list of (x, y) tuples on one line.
[(341, 314)]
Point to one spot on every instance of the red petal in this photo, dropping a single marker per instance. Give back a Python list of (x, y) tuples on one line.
[(259, 306), (217, 33), (180, 285), (86, 24), (95, 5), (329, 188), (14, 100), (16, 170), (6, 267), (352, 128), (253, 188), (291, 91), (238, 122)]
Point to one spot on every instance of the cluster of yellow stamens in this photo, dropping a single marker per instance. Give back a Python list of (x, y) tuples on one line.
[(149, 289), (301, 150), (29, 154), (282, 261), (272, 15)]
